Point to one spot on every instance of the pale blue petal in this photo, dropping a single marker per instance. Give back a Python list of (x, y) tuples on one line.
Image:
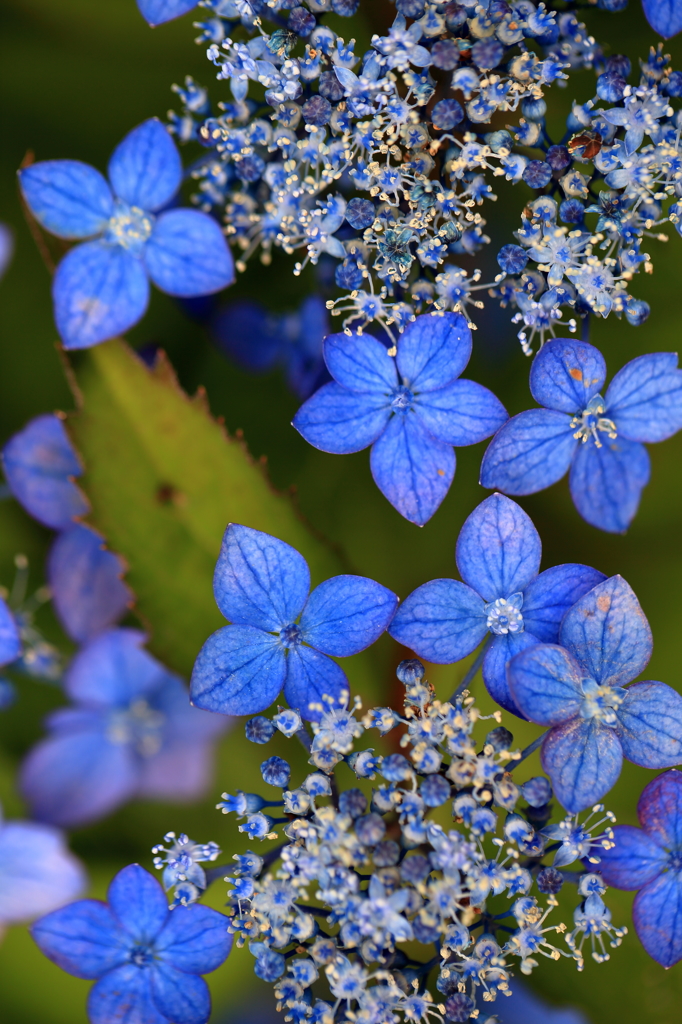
[(123, 996), (544, 681), (498, 549), (495, 662), (84, 939), (360, 363), (113, 670), (412, 469), (10, 641), (530, 452), (461, 413), (634, 860), (239, 671), (660, 810), (549, 596), (644, 399), (657, 914), (340, 421), (70, 199), (145, 169), (664, 16), (650, 725), (195, 939), (311, 676), (583, 760), (187, 254), (566, 374), (433, 350), (608, 634), (38, 873), (138, 902), (99, 291), (182, 998), (158, 11), (606, 483), (442, 621), (346, 614)]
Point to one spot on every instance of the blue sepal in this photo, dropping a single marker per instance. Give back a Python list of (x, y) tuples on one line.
[(545, 684), (240, 670), (657, 914), (566, 374), (123, 993), (650, 725), (583, 759), (442, 621), (145, 169), (310, 677), (498, 550), (460, 414), (606, 483), (194, 939), (182, 998), (549, 596), (634, 860), (340, 421), (68, 198), (360, 363), (187, 254), (664, 16), (530, 452), (37, 871), (83, 938), (138, 901), (10, 641), (411, 468), (433, 350), (112, 669), (644, 399), (660, 809), (346, 614), (495, 663), (156, 12)]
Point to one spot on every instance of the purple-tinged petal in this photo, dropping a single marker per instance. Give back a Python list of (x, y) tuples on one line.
[(360, 363), (312, 676), (412, 469), (498, 550), (340, 421), (494, 671), (549, 596), (84, 939), (634, 860), (606, 483), (608, 634), (99, 291), (38, 873), (85, 579), (10, 641), (346, 614), (566, 374), (650, 725), (544, 681), (664, 16), (68, 198), (530, 452), (195, 940), (461, 413), (113, 670), (239, 671), (583, 760), (433, 350), (138, 902), (124, 996), (156, 12), (187, 254), (657, 914), (660, 810), (259, 580), (182, 998), (644, 399), (145, 169), (442, 621)]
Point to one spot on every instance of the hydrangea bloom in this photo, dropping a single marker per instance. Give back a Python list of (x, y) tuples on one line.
[(280, 635), (579, 689), (412, 409), (598, 439), (101, 287), (146, 959), (649, 859), (130, 732), (498, 556)]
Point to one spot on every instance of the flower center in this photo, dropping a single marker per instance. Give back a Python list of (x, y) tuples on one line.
[(401, 399), (675, 861), (138, 725), (591, 422), (130, 227), (141, 956), (601, 702), (290, 636), (504, 615)]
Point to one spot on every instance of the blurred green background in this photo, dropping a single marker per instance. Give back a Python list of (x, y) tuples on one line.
[(76, 76)]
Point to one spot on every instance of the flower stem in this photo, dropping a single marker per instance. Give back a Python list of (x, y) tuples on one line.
[(473, 668), (530, 749)]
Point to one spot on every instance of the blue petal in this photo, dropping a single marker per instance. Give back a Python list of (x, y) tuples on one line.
[(664, 16), (634, 860), (85, 579), (550, 595), (187, 254), (650, 725), (360, 363), (311, 676), (442, 621), (138, 902), (337, 420), (660, 810), (39, 464), (606, 483), (545, 684), (113, 670), (657, 914), (644, 399), (124, 996), (583, 759), (346, 614), (10, 641), (145, 169), (239, 671), (608, 634), (433, 350), (495, 662), (182, 998), (259, 580), (498, 549), (195, 939), (461, 413), (530, 452), (67, 197), (412, 469), (247, 333), (84, 939), (158, 11), (37, 871), (566, 374), (99, 291)]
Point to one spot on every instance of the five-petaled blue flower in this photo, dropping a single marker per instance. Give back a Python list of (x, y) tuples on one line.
[(600, 439), (147, 960), (101, 288), (578, 689), (280, 634), (498, 557), (411, 409), (650, 860)]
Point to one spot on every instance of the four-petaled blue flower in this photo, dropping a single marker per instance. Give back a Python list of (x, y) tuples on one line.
[(147, 960), (498, 557), (579, 690), (280, 634), (411, 409), (101, 288), (650, 860)]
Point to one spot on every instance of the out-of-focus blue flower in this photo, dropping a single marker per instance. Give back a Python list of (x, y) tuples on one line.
[(524, 1006), (6, 248), (498, 556), (412, 409), (650, 860), (10, 640), (40, 464), (281, 635), (147, 959), (156, 12), (130, 732), (101, 288), (579, 690), (598, 439), (664, 16)]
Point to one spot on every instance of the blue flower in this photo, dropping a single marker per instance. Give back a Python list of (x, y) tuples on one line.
[(101, 287), (10, 640), (498, 556), (156, 12), (280, 635), (579, 690), (599, 439), (130, 733), (650, 860), (147, 960), (664, 16), (411, 409)]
